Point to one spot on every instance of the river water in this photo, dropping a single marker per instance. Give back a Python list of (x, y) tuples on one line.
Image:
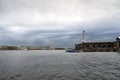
[(59, 65)]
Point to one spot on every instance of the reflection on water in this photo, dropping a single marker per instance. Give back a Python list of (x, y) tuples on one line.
[(59, 65)]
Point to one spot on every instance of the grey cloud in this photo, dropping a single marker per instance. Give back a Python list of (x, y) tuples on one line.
[(58, 22), (58, 6)]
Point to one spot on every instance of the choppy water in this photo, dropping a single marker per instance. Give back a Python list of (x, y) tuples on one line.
[(59, 65)]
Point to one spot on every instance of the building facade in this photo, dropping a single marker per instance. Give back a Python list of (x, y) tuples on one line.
[(99, 46)]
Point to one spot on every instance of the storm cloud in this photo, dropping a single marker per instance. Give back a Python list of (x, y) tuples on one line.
[(58, 23)]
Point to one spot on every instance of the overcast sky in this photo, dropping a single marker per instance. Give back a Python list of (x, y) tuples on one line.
[(58, 23)]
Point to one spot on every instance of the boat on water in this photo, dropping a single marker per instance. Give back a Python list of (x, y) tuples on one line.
[(73, 50)]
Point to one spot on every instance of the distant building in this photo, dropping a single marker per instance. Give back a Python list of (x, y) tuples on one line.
[(10, 48), (59, 48), (34, 48), (24, 47), (99, 46), (13, 47), (3, 47)]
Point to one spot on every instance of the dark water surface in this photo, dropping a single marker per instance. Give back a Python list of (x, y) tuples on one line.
[(59, 65)]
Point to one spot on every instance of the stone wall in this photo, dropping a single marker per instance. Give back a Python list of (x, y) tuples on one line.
[(96, 46)]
